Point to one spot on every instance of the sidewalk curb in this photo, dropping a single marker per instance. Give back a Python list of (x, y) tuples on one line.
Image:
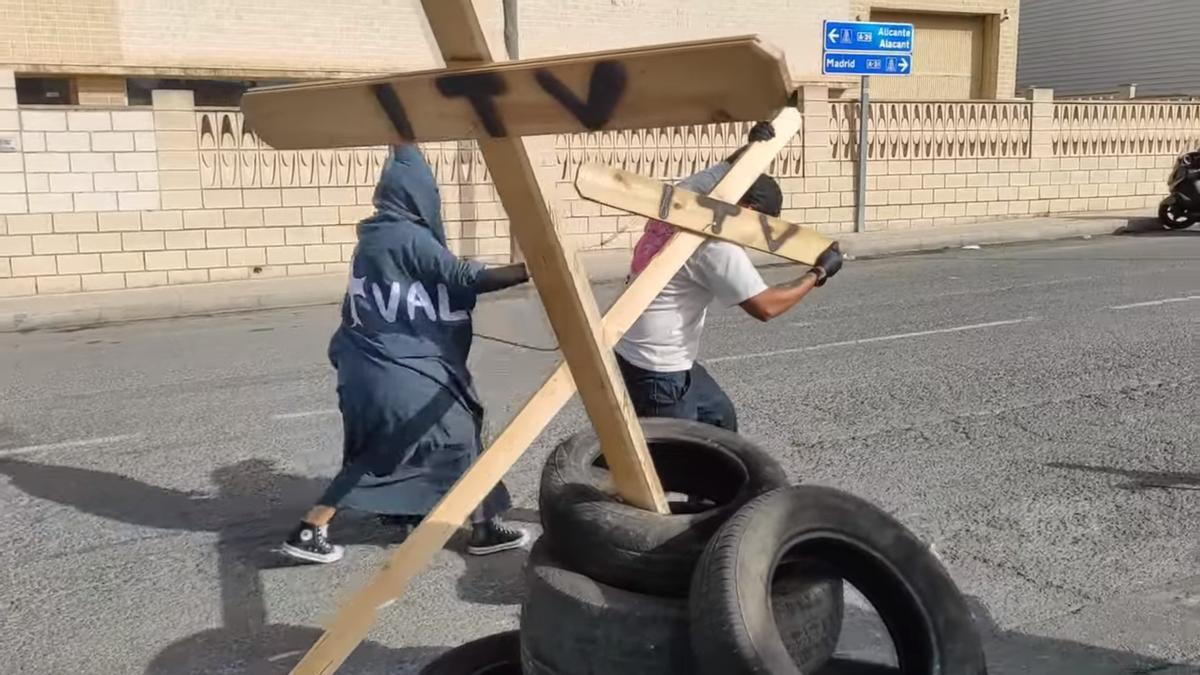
[(872, 245), (80, 310)]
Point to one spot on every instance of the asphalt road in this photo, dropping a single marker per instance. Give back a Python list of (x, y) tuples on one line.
[(1030, 411)]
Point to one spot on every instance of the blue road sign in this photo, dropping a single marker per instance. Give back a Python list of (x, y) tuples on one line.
[(866, 64), (864, 36)]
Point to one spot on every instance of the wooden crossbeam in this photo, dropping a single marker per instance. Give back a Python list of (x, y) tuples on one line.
[(358, 614), (699, 213), (743, 79)]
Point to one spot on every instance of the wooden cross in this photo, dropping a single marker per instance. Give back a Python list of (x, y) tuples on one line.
[(733, 79)]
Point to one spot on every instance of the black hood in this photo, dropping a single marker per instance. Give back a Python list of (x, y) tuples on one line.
[(408, 192)]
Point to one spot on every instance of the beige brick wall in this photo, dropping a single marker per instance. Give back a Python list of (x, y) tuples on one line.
[(202, 37), (286, 38), (102, 199), (551, 27)]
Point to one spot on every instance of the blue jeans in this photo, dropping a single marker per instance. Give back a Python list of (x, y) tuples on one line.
[(686, 394)]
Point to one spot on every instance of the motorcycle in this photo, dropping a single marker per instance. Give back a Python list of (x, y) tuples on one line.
[(1181, 208)]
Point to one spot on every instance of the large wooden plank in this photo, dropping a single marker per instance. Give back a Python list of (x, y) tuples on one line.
[(743, 79), (699, 213), (574, 316), (357, 615)]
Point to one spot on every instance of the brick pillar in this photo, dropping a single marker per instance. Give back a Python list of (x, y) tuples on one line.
[(12, 162), (178, 148), (1041, 123), (815, 126)]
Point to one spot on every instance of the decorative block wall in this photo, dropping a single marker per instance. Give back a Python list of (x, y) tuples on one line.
[(111, 198)]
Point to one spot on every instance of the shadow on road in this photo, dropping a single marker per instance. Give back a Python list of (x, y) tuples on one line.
[(251, 511), (1139, 480), (1150, 227), (865, 649), (274, 650), (254, 506)]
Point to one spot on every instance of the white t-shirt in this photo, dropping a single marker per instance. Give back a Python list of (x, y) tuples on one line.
[(666, 338)]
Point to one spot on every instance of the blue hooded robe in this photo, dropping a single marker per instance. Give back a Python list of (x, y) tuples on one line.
[(410, 415)]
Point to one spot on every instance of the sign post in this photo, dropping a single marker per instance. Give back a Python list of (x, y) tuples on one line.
[(866, 48)]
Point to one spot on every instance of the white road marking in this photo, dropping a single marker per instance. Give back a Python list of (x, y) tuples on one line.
[(306, 413), (1155, 303), (68, 445), (881, 338)]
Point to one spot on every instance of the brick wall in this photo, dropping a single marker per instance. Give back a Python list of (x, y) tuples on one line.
[(96, 199), (932, 163), (249, 39), (348, 36), (551, 27), (126, 198)]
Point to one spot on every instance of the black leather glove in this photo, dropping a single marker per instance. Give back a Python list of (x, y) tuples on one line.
[(762, 131), (828, 264)]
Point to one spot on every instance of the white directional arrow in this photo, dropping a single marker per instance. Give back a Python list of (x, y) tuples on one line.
[(904, 65), (833, 35)]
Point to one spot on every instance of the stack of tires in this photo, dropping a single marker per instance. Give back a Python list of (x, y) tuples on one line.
[(744, 576), (609, 584)]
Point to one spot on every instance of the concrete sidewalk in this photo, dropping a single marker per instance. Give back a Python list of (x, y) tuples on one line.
[(77, 310)]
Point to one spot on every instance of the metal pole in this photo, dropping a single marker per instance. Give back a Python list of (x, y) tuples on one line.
[(864, 123)]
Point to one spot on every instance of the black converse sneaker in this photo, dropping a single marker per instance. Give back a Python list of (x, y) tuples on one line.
[(494, 536), (311, 544)]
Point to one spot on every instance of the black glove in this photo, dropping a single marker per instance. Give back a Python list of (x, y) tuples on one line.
[(497, 278), (762, 131), (828, 264)]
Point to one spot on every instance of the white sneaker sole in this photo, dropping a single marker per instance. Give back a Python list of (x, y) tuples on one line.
[(497, 548), (308, 556)]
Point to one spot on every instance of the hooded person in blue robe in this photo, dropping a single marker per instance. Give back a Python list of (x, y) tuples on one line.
[(411, 418)]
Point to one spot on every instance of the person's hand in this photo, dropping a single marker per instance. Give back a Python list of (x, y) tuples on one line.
[(828, 264), (762, 131)]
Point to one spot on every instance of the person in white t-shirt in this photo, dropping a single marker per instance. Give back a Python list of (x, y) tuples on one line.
[(657, 356)]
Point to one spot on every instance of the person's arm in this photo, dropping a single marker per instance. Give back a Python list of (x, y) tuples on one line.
[(461, 275), (777, 300), (432, 261), (499, 278)]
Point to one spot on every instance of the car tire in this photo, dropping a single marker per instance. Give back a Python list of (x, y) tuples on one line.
[(498, 654), (593, 532), (825, 533)]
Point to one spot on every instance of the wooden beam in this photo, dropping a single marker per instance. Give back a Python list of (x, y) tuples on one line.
[(699, 213), (558, 277), (571, 308), (357, 615), (630, 88)]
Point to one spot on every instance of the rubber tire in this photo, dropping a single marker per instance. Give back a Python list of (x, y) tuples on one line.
[(572, 625), (593, 532), (827, 532), (1164, 217), (498, 654)]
